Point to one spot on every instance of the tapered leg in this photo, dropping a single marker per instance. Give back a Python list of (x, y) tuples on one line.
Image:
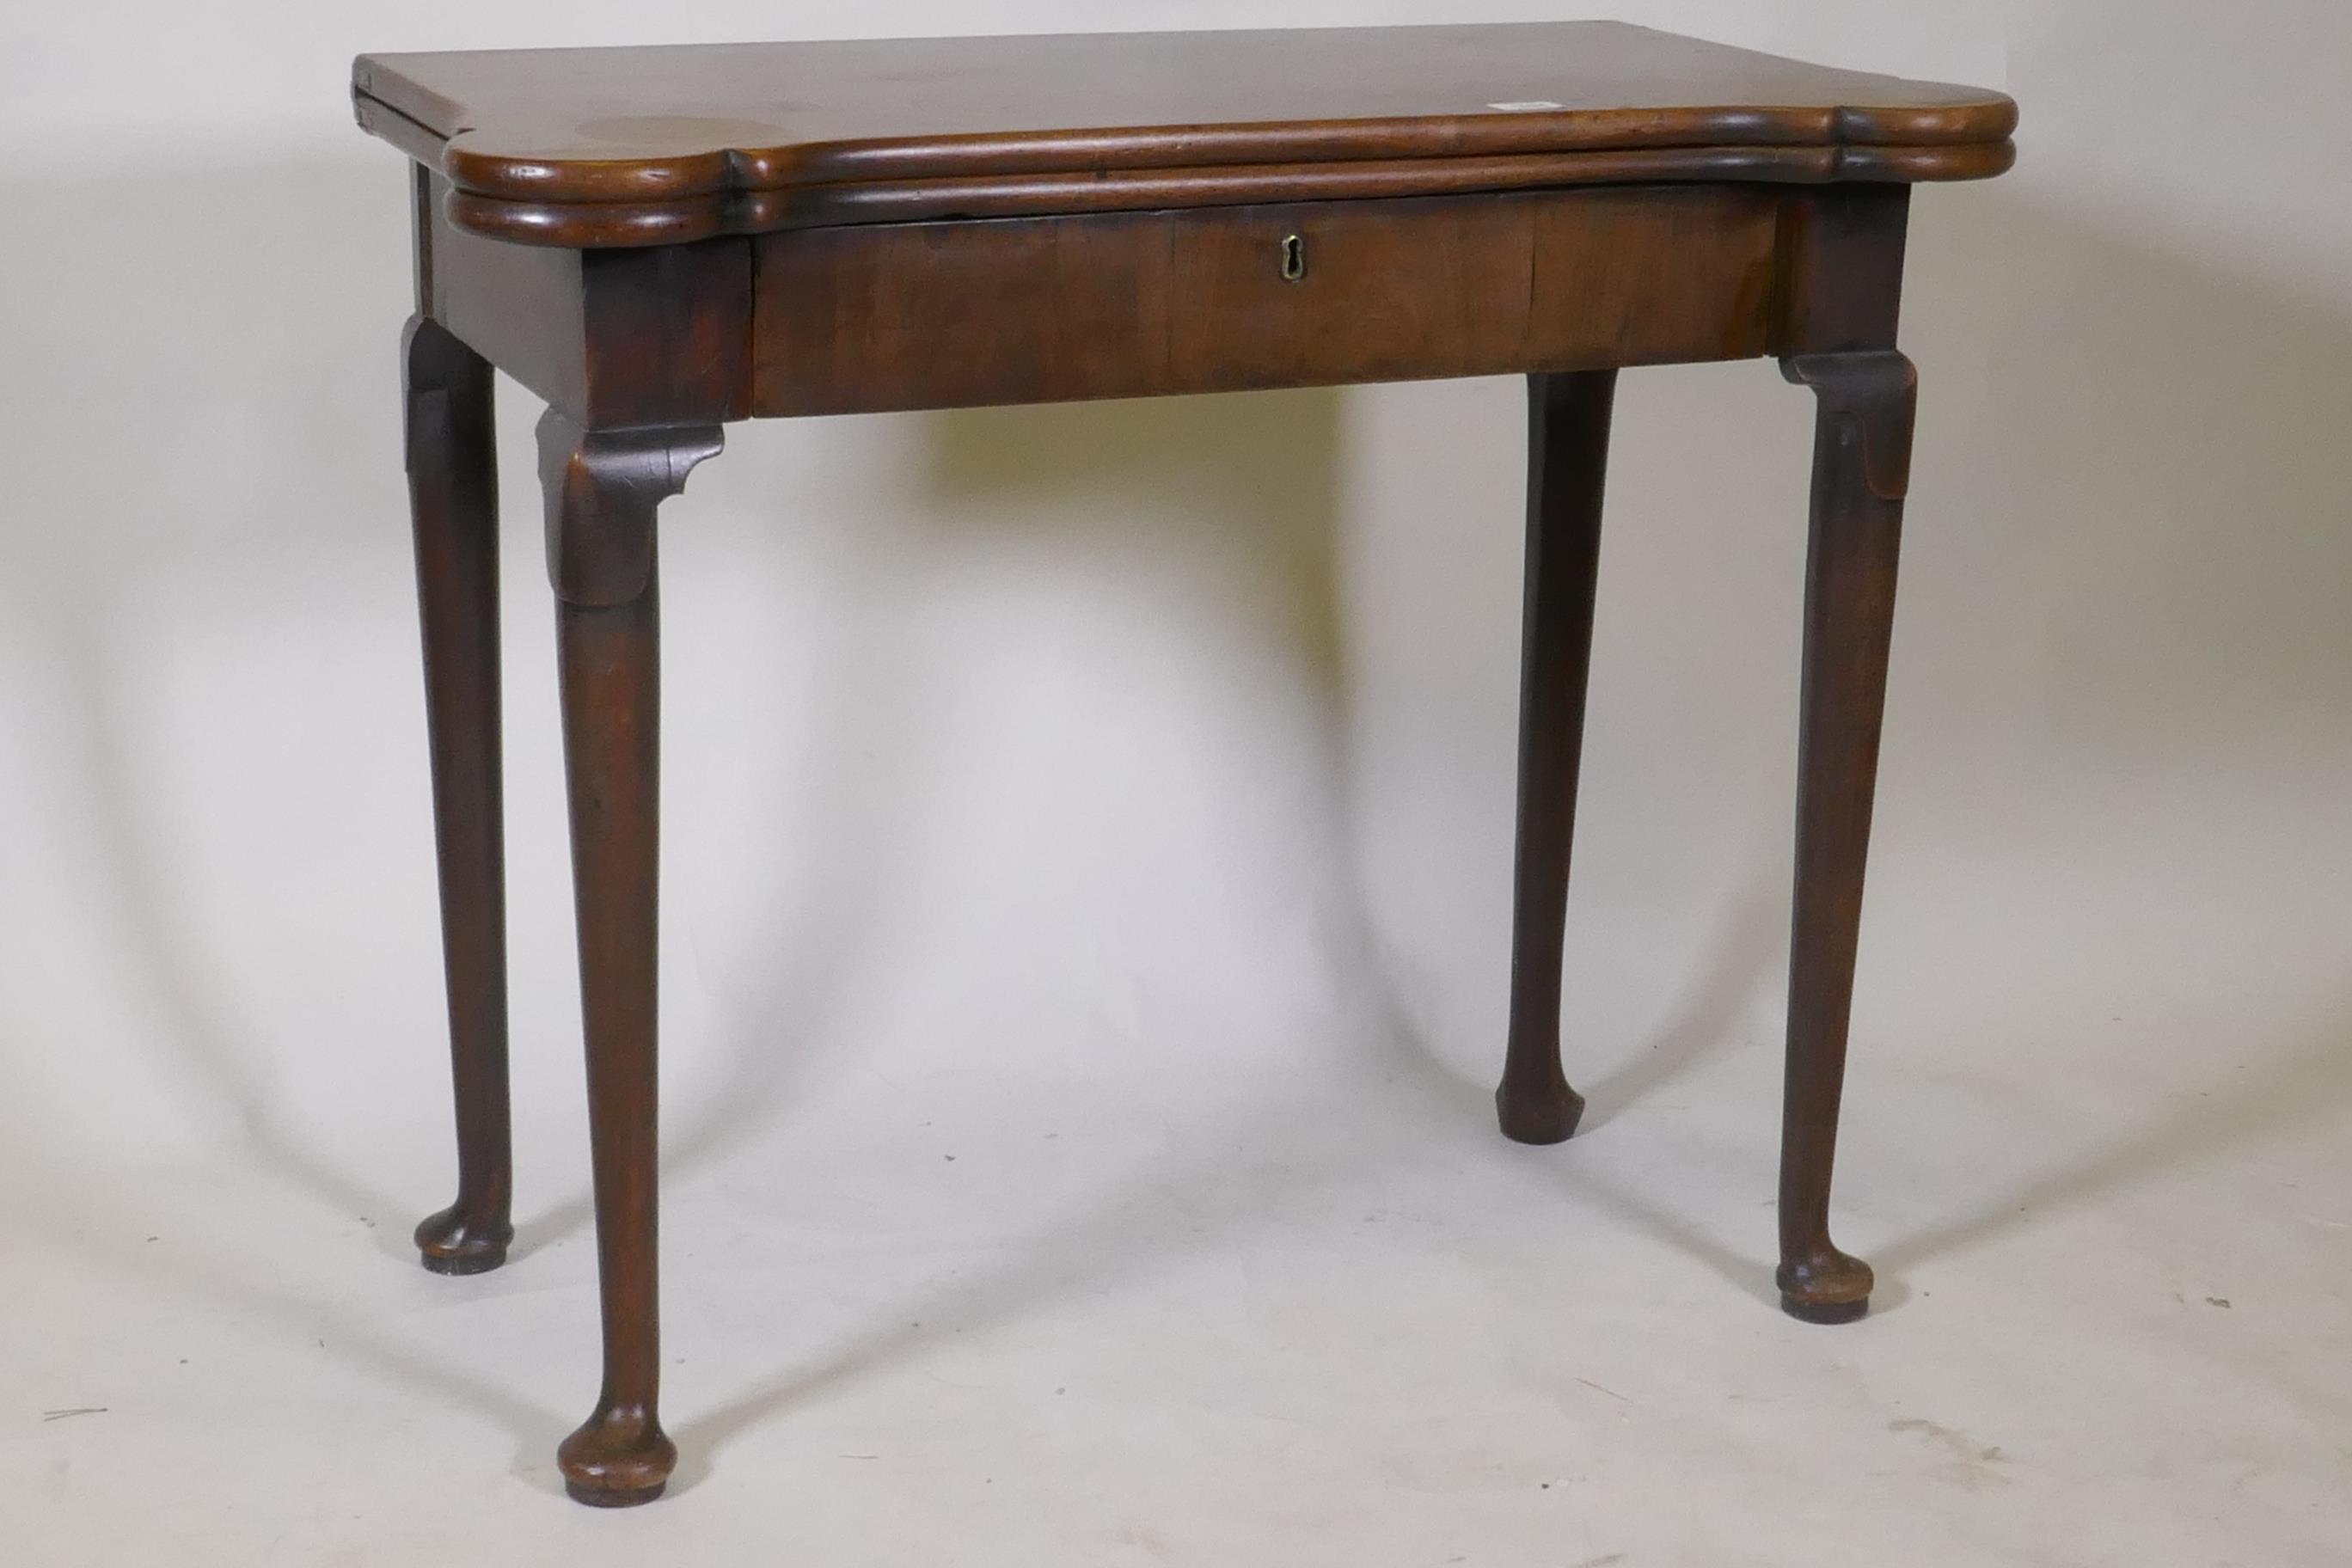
[(1862, 455), (1568, 449), (453, 500), (602, 492), (612, 706)]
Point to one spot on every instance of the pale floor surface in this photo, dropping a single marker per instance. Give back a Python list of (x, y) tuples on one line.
[(1313, 1315)]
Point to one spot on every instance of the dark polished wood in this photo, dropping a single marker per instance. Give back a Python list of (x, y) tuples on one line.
[(610, 225), (603, 490), (611, 337), (1568, 456), (1862, 471), (661, 241), (453, 503), (657, 146), (930, 315), (1840, 269)]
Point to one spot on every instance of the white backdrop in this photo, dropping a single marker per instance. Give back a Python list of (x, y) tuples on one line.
[(1149, 766)]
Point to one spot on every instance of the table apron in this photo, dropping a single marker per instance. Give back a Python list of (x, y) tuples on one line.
[(954, 315), (951, 313)]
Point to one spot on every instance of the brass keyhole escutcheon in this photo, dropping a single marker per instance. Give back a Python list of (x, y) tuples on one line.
[(1293, 258)]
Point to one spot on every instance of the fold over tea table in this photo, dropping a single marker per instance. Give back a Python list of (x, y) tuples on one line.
[(659, 241)]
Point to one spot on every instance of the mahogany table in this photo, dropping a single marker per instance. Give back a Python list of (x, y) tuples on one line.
[(658, 241)]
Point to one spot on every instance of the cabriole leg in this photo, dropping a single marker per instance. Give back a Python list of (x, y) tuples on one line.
[(603, 489), (1568, 449), (453, 503), (1862, 458)]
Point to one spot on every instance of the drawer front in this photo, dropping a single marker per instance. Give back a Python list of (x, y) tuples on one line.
[(954, 315)]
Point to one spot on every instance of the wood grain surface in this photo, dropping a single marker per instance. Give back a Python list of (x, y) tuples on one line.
[(935, 315), (660, 145)]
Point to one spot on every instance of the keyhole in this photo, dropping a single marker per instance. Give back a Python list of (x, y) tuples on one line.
[(1293, 258)]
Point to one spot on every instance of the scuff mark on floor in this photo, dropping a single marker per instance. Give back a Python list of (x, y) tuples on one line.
[(1973, 1466)]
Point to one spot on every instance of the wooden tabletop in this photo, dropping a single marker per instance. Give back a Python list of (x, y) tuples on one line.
[(662, 144)]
